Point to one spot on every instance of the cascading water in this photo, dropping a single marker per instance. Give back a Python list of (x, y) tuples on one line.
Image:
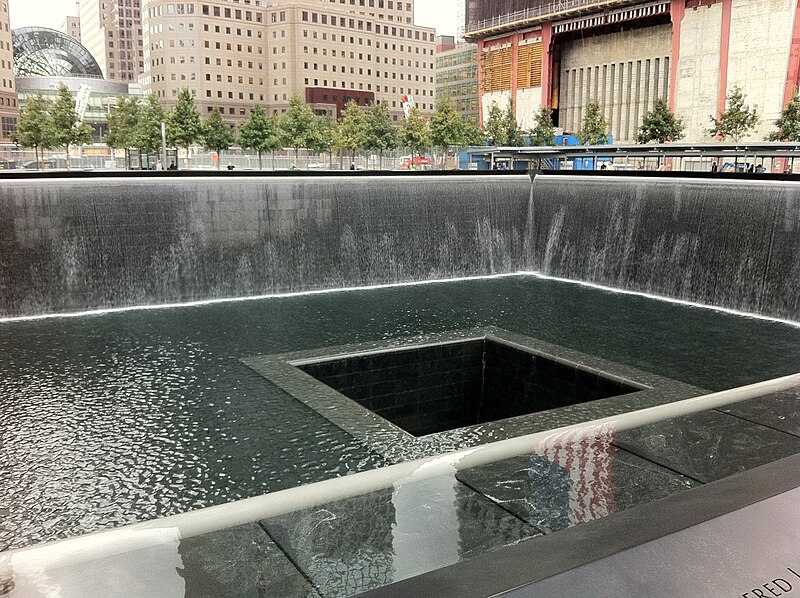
[(733, 244), (123, 242)]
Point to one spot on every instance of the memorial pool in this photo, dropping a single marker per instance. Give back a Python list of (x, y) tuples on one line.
[(113, 418)]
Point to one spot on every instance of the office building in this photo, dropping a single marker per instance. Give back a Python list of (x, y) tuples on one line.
[(9, 110), (112, 32), (232, 55)]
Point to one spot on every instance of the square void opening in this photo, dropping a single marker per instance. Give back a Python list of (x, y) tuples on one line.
[(434, 388)]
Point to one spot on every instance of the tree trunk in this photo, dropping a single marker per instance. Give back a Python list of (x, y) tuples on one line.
[(219, 158), (69, 161), (260, 167)]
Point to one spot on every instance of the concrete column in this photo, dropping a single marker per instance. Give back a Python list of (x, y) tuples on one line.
[(677, 10), (793, 74)]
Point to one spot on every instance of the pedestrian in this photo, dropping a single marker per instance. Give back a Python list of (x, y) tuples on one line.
[(352, 165), (714, 166), (231, 166)]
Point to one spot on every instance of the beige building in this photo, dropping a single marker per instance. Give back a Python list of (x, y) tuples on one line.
[(9, 112), (233, 54), (72, 27), (112, 31)]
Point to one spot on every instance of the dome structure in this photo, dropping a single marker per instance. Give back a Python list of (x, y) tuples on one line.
[(43, 52)]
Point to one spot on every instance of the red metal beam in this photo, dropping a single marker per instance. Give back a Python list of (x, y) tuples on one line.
[(793, 73)]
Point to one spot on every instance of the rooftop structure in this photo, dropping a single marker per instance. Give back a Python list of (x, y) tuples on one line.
[(43, 52)]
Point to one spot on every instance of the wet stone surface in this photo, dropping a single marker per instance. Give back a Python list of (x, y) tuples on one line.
[(240, 562), (780, 411), (369, 541), (708, 446), (573, 484)]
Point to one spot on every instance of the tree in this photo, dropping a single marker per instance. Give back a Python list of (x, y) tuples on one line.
[(737, 121), (415, 132), (351, 134), (447, 126), (122, 126), (472, 132), (660, 125), (323, 138), (381, 131), (543, 131), (147, 136), (789, 122), (259, 132), (217, 136), (33, 129), (66, 126), (513, 134), (184, 123), (494, 128), (298, 125), (594, 126)]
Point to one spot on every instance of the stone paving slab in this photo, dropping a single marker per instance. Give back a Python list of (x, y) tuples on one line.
[(573, 485), (708, 446), (780, 410), (365, 542)]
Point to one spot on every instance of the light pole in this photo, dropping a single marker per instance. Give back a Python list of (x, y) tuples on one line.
[(163, 146)]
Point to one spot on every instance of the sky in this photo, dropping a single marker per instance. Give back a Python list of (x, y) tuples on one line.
[(440, 14)]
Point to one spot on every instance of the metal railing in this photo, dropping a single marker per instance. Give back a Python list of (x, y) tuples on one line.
[(539, 12)]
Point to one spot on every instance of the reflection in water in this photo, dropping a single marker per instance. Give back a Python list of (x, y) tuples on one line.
[(571, 477), (145, 564), (421, 505)]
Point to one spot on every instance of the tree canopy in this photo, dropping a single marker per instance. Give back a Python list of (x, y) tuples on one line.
[(789, 122), (66, 127), (382, 133), (660, 125), (185, 127), (737, 120), (594, 128), (415, 132), (351, 134), (217, 136), (33, 128), (543, 132), (298, 125), (259, 132)]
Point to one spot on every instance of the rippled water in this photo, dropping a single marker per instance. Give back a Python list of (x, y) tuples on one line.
[(116, 418)]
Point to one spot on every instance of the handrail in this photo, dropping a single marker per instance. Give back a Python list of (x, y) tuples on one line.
[(101, 544)]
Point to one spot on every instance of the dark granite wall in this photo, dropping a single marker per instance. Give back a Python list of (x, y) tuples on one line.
[(422, 390), (70, 245), (517, 382), (728, 243), (441, 387)]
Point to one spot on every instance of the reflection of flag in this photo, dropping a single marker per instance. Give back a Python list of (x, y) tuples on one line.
[(587, 462)]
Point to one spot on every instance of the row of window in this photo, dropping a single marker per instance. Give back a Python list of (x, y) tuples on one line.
[(362, 25)]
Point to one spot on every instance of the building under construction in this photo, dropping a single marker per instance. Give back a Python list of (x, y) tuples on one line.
[(626, 54)]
